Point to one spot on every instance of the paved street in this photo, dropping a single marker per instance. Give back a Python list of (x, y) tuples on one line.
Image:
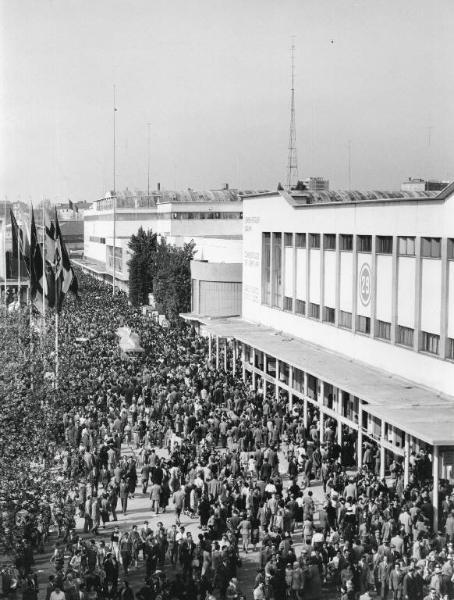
[(139, 511)]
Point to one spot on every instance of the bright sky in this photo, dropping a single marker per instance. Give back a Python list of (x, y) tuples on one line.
[(213, 79)]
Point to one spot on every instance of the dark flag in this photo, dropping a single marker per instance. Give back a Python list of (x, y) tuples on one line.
[(38, 287), (65, 278), (20, 252)]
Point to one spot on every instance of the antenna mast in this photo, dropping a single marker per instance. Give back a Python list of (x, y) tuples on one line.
[(292, 164)]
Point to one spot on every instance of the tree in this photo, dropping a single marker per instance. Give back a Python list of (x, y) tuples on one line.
[(172, 284), (142, 266), (164, 270)]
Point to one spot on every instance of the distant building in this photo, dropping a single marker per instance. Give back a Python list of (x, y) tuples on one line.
[(316, 184), (72, 211), (414, 184), (178, 216)]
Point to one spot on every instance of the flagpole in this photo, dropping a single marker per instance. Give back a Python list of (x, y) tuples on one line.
[(44, 269), (4, 254), (56, 350), (114, 199), (18, 266)]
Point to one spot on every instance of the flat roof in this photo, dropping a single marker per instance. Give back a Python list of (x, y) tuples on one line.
[(422, 412)]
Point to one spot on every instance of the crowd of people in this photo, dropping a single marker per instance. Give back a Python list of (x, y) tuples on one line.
[(235, 470)]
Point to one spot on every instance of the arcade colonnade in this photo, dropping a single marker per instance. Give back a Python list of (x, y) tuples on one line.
[(269, 375)]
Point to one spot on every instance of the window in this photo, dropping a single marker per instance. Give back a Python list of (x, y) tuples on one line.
[(300, 307), (405, 336), (98, 240), (288, 239), (362, 324), (451, 249), (384, 244), (288, 303), (314, 240), (364, 243), (277, 270), (406, 246), (314, 310), (329, 241), (266, 269), (345, 319), (383, 330), (300, 240), (430, 342), (431, 247), (450, 349), (346, 242), (329, 314)]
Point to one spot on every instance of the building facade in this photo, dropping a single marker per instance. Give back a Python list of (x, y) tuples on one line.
[(348, 311), (178, 216)]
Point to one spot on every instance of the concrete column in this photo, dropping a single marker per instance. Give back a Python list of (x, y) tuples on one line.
[(338, 276), (322, 275), (382, 450), (322, 392), (322, 426), (359, 449), (276, 380), (234, 357), (436, 480), (305, 400), (354, 282), (444, 297), (294, 274), (243, 360), (226, 350), (418, 288), (339, 433), (290, 385), (210, 347), (395, 280), (217, 352), (373, 283), (407, 459), (308, 273)]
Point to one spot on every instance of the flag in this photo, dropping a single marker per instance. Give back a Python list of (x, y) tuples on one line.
[(37, 279), (65, 278), (20, 245), (49, 238)]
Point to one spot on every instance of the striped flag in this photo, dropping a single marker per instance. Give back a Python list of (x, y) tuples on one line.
[(65, 278)]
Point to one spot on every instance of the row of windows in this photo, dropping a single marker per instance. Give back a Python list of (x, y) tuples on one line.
[(183, 216), (98, 240), (430, 342), (430, 247)]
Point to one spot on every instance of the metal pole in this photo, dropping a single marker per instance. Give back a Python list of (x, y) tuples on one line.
[(56, 351), (148, 160), (114, 199), (4, 252), (18, 267), (44, 269)]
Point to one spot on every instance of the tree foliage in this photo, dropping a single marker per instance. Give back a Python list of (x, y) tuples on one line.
[(28, 426), (142, 266), (162, 269)]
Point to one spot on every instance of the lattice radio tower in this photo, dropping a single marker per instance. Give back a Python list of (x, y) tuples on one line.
[(292, 164)]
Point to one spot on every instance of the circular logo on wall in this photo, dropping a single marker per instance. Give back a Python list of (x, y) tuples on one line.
[(365, 284)]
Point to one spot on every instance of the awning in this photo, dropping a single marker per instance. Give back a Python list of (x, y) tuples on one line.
[(422, 412)]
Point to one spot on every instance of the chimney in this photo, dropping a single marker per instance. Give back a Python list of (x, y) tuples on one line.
[(159, 187), (226, 186)]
